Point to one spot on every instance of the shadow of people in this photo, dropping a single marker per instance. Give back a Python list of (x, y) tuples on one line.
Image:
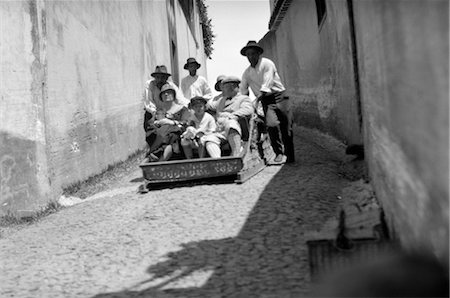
[(269, 256)]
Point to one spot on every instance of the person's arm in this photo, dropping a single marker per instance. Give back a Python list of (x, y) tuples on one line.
[(268, 73), (206, 90), (184, 87), (243, 87), (149, 105), (245, 108), (211, 105)]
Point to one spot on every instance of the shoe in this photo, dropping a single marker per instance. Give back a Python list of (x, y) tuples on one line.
[(290, 160), (279, 159), (176, 148)]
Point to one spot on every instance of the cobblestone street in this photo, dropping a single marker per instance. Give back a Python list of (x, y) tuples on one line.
[(222, 240)]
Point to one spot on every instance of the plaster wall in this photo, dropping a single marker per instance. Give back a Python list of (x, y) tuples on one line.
[(23, 163), (403, 49), (190, 42), (73, 76), (316, 65), (98, 52)]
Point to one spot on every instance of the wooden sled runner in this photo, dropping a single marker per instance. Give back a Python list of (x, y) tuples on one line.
[(253, 158)]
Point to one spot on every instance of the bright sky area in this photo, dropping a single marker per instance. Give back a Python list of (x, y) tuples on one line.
[(234, 24)]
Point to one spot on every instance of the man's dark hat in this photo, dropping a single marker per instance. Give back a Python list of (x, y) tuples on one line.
[(161, 69), (191, 60), (219, 80), (197, 99), (252, 44)]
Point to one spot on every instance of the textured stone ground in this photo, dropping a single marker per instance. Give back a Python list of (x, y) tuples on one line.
[(223, 240)]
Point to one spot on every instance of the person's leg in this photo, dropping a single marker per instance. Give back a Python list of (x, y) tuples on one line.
[(155, 142), (287, 135), (234, 139), (150, 139), (187, 149), (273, 131), (201, 151), (275, 140), (213, 149), (167, 153)]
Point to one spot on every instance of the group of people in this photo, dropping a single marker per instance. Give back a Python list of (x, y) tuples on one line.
[(191, 121)]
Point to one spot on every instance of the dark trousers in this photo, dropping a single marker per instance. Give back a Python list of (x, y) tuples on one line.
[(150, 138), (279, 124)]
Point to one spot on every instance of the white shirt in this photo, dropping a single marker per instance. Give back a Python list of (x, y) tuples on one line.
[(151, 97), (261, 78), (195, 86), (207, 124)]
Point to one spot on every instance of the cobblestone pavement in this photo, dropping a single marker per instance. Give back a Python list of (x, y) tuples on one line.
[(223, 240)]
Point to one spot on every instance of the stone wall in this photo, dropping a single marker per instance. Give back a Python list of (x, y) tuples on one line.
[(73, 74), (315, 63), (403, 49)]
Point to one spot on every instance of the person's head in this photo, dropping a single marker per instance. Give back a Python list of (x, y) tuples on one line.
[(218, 85), (198, 104), (230, 86), (167, 93), (252, 51), (192, 65), (161, 75)]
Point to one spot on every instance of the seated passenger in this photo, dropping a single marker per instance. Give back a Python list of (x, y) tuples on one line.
[(151, 98), (166, 129), (200, 124), (229, 109)]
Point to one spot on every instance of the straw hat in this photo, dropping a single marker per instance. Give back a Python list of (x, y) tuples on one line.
[(219, 80), (231, 79)]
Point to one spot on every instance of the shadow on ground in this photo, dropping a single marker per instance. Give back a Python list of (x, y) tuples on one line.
[(269, 257)]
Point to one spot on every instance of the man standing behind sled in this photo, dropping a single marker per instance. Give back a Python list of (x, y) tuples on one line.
[(262, 77), (229, 109), (193, 84)]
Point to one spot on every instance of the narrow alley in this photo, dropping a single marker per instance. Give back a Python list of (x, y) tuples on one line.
[(92, 90), (222, 240)]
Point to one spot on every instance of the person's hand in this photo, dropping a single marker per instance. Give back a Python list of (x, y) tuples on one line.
[(278, 96), (164, 121), (227, 115), (149, 108), (223, 115), (261, 96)]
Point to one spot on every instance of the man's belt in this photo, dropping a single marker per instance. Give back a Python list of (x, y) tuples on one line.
[(273, 98)]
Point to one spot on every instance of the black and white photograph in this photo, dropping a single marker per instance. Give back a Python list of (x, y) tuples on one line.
[(224, 148)]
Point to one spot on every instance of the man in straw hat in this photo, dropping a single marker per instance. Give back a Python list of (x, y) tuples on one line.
[(262, 77), (151, 98), (217, 87), (194, 84), (229, 109)]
